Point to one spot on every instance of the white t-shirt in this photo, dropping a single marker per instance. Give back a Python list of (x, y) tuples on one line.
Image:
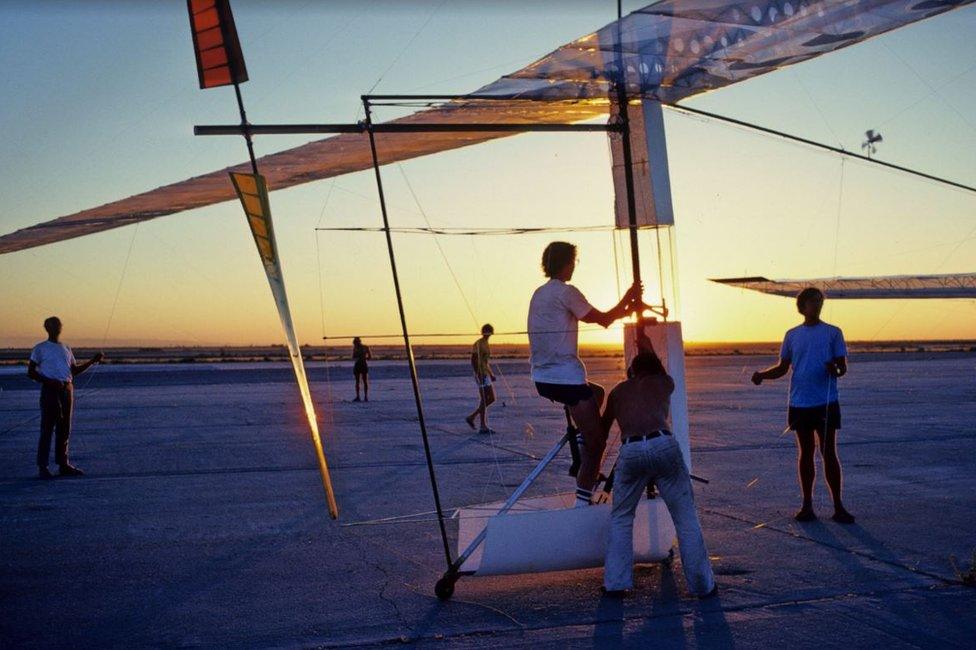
[(809, 348), (54, 360), (554, 314)]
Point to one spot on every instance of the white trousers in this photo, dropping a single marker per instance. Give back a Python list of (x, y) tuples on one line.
[(657, 461)]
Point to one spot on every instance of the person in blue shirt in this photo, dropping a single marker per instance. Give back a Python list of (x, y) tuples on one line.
[(817, 354)]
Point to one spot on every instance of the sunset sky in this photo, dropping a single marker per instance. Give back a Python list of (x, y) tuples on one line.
[(100, 99)]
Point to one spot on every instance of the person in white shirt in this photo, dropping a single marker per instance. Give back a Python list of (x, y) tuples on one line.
[(53, 366), (818, 356), (555, 311)]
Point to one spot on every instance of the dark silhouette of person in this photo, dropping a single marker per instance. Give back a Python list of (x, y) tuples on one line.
[(555, 311), (53, 366), (817, 354), (483, 376), (649, 454), (360, 369)]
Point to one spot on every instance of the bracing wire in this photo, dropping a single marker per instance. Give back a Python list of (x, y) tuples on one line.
[(616, 262), (318, 268), (840, 205), (430, 230), (932, 89), (338, 337), (406, 47), (111, 313), (660, 267), (118, 288), (318, 255), (450, 269), (474, 232), (921, 99), (816, 105), (789, 137)]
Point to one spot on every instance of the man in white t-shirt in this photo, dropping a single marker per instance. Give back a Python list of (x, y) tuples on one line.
[(53, 366), (818, 356), (553, 325)]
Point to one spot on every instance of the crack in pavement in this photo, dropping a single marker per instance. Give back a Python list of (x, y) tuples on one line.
[(839, 547), (688, 611)]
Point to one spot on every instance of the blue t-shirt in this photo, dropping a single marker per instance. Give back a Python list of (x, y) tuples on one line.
[(809, 348)]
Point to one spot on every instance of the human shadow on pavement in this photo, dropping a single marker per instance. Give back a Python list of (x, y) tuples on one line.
[(915, 625), (663, 620)]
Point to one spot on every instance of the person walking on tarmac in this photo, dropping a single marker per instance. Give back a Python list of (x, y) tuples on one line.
[(483, 376)]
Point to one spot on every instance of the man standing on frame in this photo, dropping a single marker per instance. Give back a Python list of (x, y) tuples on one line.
[(53, 365), (555, 311), (818, 356)]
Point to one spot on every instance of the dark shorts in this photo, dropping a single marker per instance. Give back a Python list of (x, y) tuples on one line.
[(360, 368), (826, 416), (568, 394)]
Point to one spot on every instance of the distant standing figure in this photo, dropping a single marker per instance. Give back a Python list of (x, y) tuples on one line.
[(360, 369), (480, 357), (650, 454), (54, 367), (818, 355)]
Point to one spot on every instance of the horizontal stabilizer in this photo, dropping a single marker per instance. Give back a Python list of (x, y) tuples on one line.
[(953, 285)]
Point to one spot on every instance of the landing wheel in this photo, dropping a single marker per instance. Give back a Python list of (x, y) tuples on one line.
[(444, 588)]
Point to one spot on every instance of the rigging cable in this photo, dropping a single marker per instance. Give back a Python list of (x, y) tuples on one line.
[(472, 232), (406, 47), (450, 269), (932, 89), (474, 318), (813, 102), (918, 101), (464, 334), (318, 268), (115, 302), (681, 108)]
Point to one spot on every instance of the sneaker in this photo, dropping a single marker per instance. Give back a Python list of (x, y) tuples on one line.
[(357, 399), (44, 473), (487, 431), (711, 594), (70, 470), (470, 421)]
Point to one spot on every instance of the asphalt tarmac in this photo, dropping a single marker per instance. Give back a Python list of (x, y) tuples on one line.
[(201, 519)]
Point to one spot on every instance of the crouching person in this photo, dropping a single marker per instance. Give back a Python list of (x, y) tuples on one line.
[(650, 454)]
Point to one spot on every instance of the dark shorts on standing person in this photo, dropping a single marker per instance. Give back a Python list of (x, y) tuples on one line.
[(360, 368), (568, 394), (819, 418)]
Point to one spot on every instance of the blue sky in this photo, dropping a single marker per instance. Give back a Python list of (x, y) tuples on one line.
[(101, 98)]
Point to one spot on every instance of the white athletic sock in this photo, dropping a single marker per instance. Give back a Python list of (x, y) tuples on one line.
[(583, 497)]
